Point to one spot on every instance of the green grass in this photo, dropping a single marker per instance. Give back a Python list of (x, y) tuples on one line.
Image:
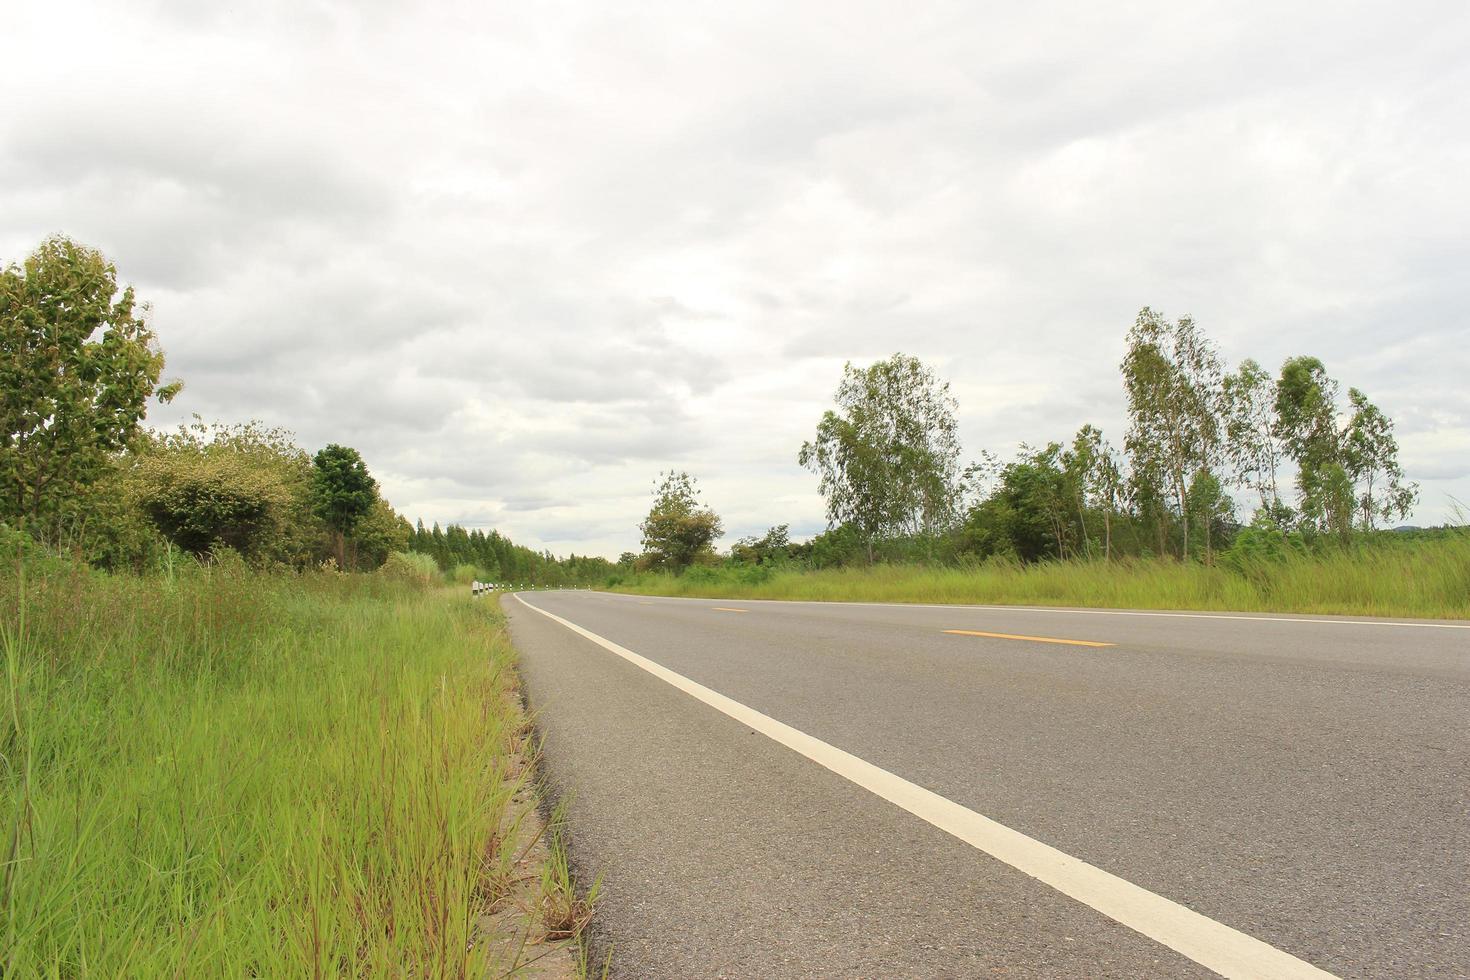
[(235, 774), (1417, 578)]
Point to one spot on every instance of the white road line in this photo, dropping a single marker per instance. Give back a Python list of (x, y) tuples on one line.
[(1211, 944), (1239, 617)]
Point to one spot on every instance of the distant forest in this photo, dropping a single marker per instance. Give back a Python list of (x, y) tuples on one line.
[(492, 557)]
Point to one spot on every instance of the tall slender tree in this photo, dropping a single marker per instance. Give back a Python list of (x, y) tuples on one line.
[(1172, 375), (1306, 420), (1252, 445), (1096, 482), (1372, 457), (344, 493)]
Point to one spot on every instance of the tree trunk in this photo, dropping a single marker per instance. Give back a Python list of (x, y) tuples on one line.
[(1183, 523)]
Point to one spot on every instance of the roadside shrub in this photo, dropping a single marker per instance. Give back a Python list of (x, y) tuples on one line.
[(704, 575), (463, 574), (379, 534), (244, 486), (1259, 548), (14, 544), (40, 562), (411, 568), (754, 574)]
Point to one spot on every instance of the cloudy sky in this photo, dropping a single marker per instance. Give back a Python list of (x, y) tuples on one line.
[(524, 256)]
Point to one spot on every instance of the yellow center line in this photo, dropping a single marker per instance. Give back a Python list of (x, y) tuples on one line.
[(1033, 639), (727, 609), (644, 602)]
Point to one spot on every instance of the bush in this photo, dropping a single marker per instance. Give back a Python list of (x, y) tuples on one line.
[(463, 574), (1259, 547), (379, 534), (245, 487), (410, 567)]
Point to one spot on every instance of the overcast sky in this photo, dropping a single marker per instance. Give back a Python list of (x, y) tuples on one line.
[(525, 255)]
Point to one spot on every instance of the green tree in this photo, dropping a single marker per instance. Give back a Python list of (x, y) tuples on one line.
[(1372, 457), (888, 457), (1028, 514), (1306, 423), (343, 493), (770, 547), (837, 547), (1253, 445), (678, 530), (204, 501), (382, 531), (78, 364), (1095, 481), (1306, 410), (1210, 511), (1172, 375)]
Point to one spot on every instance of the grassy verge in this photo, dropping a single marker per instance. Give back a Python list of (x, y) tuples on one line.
[(1424, 578), (234, 774)]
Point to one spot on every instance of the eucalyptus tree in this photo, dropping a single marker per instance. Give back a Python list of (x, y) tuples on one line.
[(888, 455), (1172, 375), (1096, 482), (78, 364), (1028, 512), (1252, 444), (1372, 458), (1306, 410), (1347, 462), (1306, 421)]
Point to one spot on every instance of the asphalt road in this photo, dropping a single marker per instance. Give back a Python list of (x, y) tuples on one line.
[(1303, 781)]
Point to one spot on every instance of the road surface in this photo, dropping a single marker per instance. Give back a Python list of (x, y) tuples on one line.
[(787, 789)]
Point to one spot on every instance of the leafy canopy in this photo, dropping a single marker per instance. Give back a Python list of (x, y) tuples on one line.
[(1172, 376), (344, 490), (78, 364), (888, 456), (678, 530)]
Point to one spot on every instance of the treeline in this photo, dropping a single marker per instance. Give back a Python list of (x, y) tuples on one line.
[(491, 557), (1206, 451), (1212, 459), (82, 476), (1204, 446)]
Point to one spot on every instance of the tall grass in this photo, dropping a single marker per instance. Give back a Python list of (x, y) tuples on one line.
[(232, 774), (1425, 577)]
